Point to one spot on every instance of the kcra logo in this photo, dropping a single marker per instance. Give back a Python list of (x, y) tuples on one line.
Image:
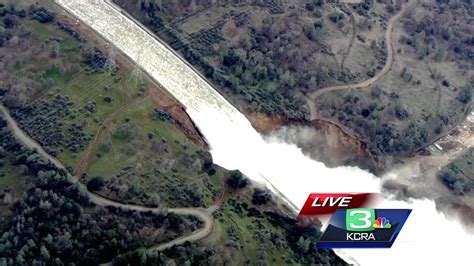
[(353, 224)]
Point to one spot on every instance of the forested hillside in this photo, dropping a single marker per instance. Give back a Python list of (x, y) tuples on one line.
[(271, 56), (125, 139)]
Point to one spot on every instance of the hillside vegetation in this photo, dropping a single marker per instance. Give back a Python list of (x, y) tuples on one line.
[(128, 141), (267, 55)]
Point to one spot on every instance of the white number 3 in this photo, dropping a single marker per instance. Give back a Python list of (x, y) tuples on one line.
[(365, 218)]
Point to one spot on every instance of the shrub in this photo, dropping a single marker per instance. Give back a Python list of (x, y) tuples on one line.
[(41, 14), (261, 196), (91, 107), (127, 131), (465, 95), (107, 99), (95, 183), (336, 16)]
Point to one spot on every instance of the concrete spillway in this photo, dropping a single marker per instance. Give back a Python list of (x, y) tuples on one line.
[(234, 142), (236, 145)]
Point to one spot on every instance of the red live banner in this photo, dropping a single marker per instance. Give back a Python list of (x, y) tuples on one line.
[(328, 203)]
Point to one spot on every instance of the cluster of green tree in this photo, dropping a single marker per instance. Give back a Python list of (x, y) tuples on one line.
[(70, 30), (8, 143), (265, 72), (363, 113), (438, 35), (279, 233), (95, 59), (261, 196), (44, 121), (187, 195), (171, 176), (9, 15), (302, 240), (202, 40), (198, 193), (41, 14), (363, 7), (312, 5), (55, 224), (284, 232), (125, 188), (458, 175)]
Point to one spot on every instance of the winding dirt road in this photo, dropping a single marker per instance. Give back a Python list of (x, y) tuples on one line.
[(311, 99), (200, 213)]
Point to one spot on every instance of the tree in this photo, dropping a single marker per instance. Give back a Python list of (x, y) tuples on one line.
[(45, 253), (5, 35), (10, 21), (91, 107), (231, 58), (310, 32), (303, 244), (310, 6), (261, 196), (108, 99), (207, 163), (465, 95), (236, 180), (335, 17), (95, 183)]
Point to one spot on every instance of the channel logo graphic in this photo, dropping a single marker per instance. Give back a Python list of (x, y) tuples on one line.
[(382, 222), (363, 219), (353, 224)]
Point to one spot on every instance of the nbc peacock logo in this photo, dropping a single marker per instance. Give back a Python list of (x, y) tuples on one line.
[(382, 223)]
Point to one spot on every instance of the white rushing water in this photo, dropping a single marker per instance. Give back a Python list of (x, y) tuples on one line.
[(427, 238)]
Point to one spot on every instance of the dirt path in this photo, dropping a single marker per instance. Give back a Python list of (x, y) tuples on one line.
[(86, 159), (199, 213), (311, 99), (353, 36)]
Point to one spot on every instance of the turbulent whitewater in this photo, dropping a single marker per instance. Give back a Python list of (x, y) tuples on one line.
[(427, 236)]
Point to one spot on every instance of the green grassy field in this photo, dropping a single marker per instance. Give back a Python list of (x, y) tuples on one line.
[(11, 177), (141, 165), (67, 75), (139, 114)]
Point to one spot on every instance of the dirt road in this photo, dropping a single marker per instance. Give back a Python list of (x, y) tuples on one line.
[(27, 141), (388, 65), (199, 213)]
